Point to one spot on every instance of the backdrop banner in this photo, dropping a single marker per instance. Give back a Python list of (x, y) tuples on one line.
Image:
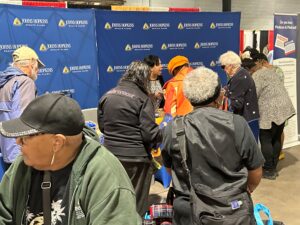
[(285, 34), (123, 37), (65, 41)]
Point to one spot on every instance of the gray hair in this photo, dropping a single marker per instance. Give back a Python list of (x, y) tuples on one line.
[(230, 58), (138, 72), (201, 86)]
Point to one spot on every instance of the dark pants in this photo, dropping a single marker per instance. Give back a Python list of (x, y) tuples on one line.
[(270, 140), (140, 173), (254, 126), (182, 211)]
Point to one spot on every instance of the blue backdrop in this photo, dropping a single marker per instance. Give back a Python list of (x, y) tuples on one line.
[(65, 41), (126, 36)]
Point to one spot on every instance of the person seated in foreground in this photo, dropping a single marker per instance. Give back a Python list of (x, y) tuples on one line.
[(60, 163), (222, 153)]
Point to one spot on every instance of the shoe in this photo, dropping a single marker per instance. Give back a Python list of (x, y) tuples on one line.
[(269, 174), (281, 156)]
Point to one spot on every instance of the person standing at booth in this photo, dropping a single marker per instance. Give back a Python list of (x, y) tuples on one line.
[(17, 90), (126, 118), (276, 108), (175, 102), (156, 80), (222, 158), (241, 90)]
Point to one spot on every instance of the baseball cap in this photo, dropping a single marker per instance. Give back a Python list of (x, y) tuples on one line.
[(49, 113), (25, 53), (177, 61)]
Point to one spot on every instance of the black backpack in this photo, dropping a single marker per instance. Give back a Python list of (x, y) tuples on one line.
[(214, 207)]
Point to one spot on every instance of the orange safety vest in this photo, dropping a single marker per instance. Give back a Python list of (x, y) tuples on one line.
[(175, 102)]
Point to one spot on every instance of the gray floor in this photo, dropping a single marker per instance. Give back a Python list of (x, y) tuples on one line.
[(280, 196)]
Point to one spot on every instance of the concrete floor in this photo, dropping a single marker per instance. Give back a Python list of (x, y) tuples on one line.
[(281, 196)]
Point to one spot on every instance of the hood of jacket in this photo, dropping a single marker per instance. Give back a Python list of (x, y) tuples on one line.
[(8, 74)]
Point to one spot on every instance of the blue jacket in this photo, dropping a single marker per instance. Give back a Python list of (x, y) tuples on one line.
[(16, 91)]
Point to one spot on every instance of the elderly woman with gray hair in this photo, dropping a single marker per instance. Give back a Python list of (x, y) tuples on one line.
[(222, 154), (241, 90)]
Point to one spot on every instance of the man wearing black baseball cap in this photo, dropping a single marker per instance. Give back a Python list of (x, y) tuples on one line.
[(63, 175)]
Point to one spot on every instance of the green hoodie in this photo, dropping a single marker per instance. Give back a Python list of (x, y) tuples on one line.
[(100, 190)]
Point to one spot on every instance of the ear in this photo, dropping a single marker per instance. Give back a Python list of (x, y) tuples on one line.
[(58, 142)]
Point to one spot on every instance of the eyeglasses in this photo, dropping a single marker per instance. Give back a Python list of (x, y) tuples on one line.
[(223, 67)]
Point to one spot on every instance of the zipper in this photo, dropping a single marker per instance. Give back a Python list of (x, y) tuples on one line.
[(73, 196)]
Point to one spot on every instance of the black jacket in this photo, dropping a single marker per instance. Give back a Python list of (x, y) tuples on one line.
[(126, 118), (241, 92)]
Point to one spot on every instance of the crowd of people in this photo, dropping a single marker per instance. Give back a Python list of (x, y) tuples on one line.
[(65, 176)]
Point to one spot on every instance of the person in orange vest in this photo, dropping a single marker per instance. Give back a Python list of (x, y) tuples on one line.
[(175, 101)]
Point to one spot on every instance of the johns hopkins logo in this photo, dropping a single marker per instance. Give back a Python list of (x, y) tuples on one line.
[(30, 22), (212, 63), (117, 68), (110, 69), (66, 70), (43, 48), (10, 48), (164, 46), (55, 47), (190, 26), (138, 47), (128, 48), (17, 22), (61, 23), (156, 26), (45, 71), (180, 26), (77, 69), (146, 26), (118, 26), (107, 26), (173, 46), (221, 25), (197, 45), (73, 23)]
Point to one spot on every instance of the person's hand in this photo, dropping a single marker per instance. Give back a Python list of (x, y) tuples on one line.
[(158, 94)]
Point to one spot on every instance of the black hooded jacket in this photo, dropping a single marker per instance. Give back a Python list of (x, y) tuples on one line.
[(127, 120)]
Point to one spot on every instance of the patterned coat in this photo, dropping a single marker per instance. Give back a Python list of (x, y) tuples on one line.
[(242, 95), (274, 102)]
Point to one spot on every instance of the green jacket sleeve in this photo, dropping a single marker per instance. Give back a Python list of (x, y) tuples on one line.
[(13, 193), (6, 189), (117, 209)]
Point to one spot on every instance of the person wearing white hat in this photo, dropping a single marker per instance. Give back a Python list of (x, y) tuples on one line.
[(17, 90)]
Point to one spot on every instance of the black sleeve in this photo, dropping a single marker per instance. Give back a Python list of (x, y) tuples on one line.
[(246, 144), (150, 131), (100, 115), (236, 93), (166, 145)]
